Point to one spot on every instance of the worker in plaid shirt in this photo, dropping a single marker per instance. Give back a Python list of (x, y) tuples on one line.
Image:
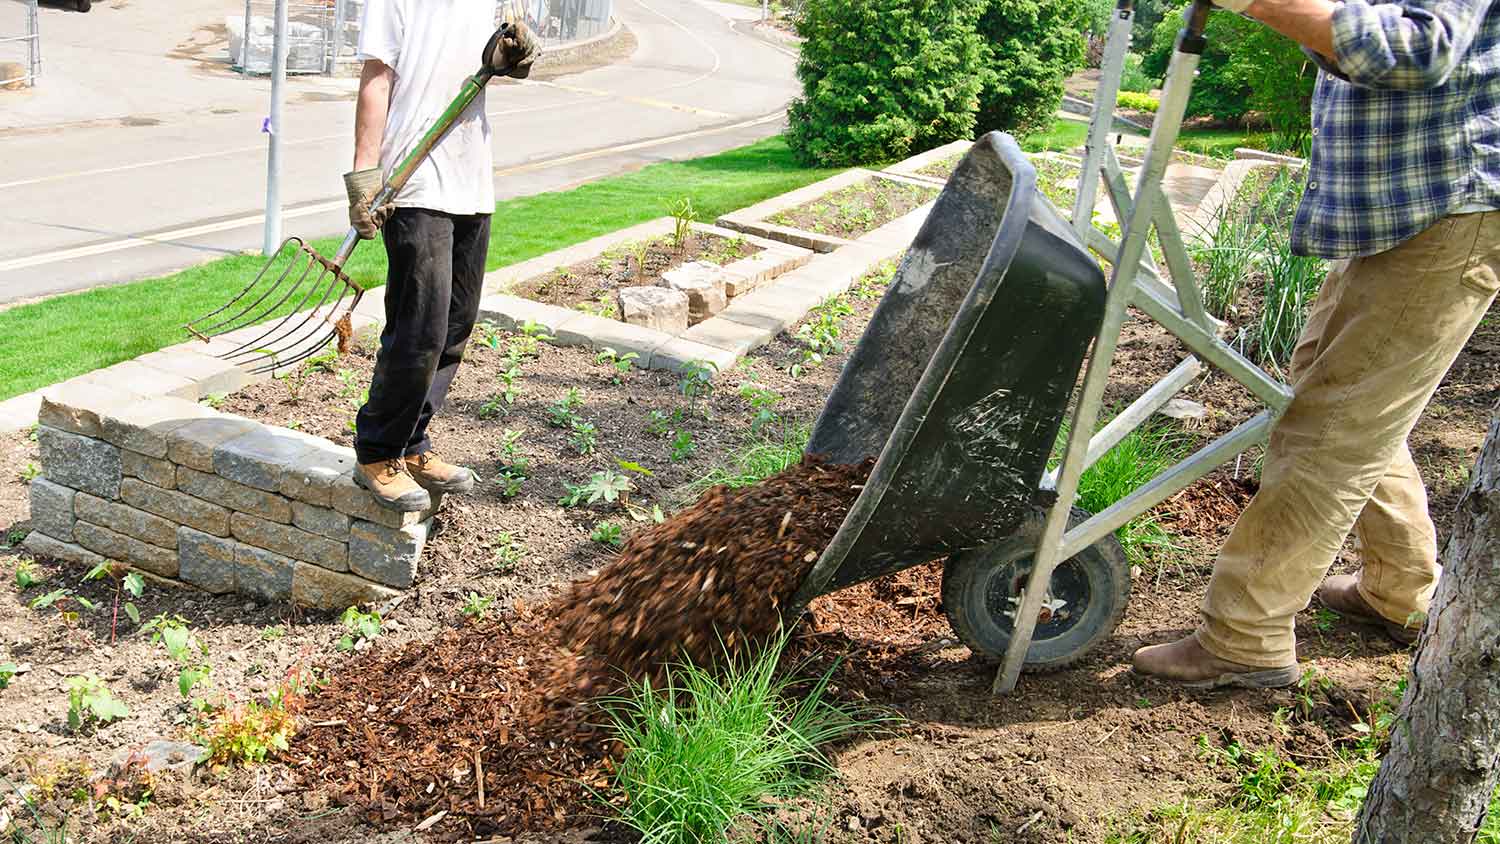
[(1403, 192)]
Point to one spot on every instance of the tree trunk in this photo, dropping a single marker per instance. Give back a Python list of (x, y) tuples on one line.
[(1435, 783)]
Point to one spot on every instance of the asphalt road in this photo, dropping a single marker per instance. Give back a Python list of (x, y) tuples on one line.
[(136, 192)]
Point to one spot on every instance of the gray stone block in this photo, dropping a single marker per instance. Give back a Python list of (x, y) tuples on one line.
[(176, 506), (312, 479), (52, 509), (260, 458), (322, 589), (776, 306), (263, 574), (729, 335), (354, 500), (40, 545), (320, 520), (704, 285), (676, 352), (387, 555), (256, 502), (511, 312), (599, 333), (193, 443), (127, 520), (289, 541), (74, 406), (160, 473), (205, 561), (656, 308), (80, 462), (125, 549), (143, 425), (145, 381), (210, 375)]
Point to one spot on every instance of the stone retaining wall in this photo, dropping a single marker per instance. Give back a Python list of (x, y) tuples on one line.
[(215, 501)]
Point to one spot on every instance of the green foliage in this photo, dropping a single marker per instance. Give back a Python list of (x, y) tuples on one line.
[(756, 460), (360, 626), (882, 79), (1225, 262), (30, 472), (89, 700), (508, 552), (476, 606), (26, 574), (820, 334), (584, 438), (1142, 455), (1291, 282), (763, 403), (710, 749), (683, 217), (683, 446), (1246, 67), (563, 413), (608, 486), (7, 672), (608, 533), (621, 363), (1030, 48), (248, 734), (658, 423), (1138, 102), (1133, 80), (697, 379), (872, 285)]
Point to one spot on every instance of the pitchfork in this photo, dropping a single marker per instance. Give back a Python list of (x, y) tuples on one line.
[(317, 305)]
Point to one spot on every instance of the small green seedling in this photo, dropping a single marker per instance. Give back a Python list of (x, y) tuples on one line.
[(658, 423), (8, 671), (697, 379), (529, 342), (622, 363), (30, 472), (608, 486), (683, 446), (510, 481), (272, 633), (763, 403), (508, 553), (125, 581), (584, 438), (27, 575), (641, 251), (490, 335), (632, 466), (476, 606), (564, 412), (608, 533), (361, 626), (89, 700), (683, 217), (214, 400)]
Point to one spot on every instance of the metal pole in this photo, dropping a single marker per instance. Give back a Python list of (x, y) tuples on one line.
[(272, 242), (765, 10)]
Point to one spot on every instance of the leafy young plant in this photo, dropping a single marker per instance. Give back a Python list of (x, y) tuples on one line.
[(183, 647), (683, 446), (563, 413), (621, 363), (476, 606), (584, 438), (89, 701), (8, 671), (508, 552), (607, 486), (361, 626), (763, 403), (249, 732), (683, 217), (608, 533), (27, 575), (125, 581), (640, 250), (658, 423)]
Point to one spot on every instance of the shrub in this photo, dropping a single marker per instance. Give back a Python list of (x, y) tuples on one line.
[(1031, 46), (1137, 102), (1246, 67), (882, 79), (1133, 78)]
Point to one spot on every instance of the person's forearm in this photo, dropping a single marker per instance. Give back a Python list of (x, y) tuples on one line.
[(1308, 22), (370, 112)]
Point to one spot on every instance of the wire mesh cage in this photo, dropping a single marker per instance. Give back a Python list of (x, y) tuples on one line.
[(558, 22), (312, 36), (20, 45)]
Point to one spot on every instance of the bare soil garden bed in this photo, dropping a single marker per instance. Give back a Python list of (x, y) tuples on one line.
[(593, 285), (856, 210), (1072, 755)]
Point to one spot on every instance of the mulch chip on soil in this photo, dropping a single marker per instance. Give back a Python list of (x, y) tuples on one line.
[(485, 722)]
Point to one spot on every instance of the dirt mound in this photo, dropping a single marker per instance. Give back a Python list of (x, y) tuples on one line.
[(485, 722), (721, 571)]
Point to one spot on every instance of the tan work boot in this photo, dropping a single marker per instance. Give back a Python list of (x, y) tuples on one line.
[(392, 486), (1340, 593), (438, 475), (1186, 662)]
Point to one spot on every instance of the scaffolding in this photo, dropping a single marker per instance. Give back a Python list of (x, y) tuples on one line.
[(27, 48)]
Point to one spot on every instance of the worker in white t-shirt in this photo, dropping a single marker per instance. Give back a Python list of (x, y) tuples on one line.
[(417, 54)]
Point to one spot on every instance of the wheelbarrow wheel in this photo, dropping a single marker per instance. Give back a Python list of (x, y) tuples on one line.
[(1087, 597)]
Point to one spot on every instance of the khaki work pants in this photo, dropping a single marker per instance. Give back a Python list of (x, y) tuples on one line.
[(1382, 334)]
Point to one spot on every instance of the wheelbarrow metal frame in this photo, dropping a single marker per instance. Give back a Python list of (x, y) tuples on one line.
[(1176, 305)]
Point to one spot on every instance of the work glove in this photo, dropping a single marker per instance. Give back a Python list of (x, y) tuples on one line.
[(511, 50), (362, 185)]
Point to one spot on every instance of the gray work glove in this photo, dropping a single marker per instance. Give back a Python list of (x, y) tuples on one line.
[(362, 185), (511, 50)]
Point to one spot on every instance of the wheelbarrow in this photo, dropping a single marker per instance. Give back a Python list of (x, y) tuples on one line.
[(970, 361)]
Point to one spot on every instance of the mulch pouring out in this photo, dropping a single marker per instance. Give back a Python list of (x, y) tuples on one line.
[(489, 721)]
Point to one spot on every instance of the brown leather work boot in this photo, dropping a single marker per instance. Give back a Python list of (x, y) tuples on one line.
[(1340, 593), (392, 486), (1187, 663), (438, 475)]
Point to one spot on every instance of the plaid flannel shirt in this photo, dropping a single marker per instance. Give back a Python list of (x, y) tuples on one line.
[(1406, 124)]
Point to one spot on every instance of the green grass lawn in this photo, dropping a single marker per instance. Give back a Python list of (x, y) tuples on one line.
[(64, 336)]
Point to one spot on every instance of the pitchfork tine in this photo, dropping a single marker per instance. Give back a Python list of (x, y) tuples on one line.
[(260, 342), (218, 327), (270, 349)]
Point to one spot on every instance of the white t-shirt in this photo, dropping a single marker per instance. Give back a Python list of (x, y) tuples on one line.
[(433, 46)]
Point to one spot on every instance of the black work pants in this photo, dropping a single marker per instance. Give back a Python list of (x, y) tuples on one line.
[(433, 284)]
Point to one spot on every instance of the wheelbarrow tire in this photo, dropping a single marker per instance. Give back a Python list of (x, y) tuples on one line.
[(979, 584)]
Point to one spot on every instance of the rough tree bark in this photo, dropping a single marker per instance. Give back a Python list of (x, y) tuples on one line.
[(1435, 783)]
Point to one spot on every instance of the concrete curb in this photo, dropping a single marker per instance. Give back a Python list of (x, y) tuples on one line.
[(573, 53)]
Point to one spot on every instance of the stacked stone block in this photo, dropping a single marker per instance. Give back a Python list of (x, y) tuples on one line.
[(218, 502)]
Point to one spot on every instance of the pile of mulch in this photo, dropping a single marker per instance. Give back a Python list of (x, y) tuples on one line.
[(487, 723), (411, 733), (710, 580)]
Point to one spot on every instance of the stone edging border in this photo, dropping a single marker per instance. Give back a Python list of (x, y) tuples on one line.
[(752, 220), (912, 167), (570, 53)]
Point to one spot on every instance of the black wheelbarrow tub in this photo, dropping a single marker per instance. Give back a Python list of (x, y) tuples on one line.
[(960, 382)]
